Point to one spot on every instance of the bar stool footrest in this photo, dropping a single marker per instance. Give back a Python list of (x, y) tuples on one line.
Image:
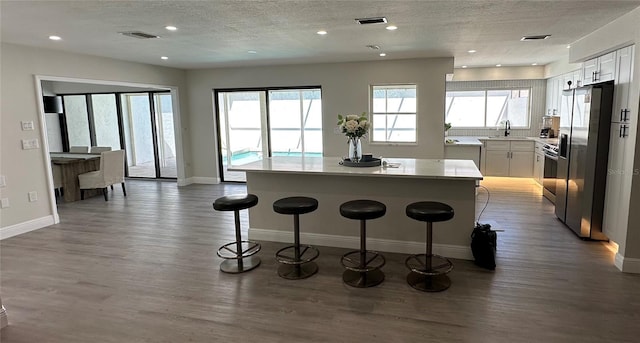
[(283, 256), (440, 265), (351, 261), (228, 250)]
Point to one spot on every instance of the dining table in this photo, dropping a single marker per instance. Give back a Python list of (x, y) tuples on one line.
[(71, 165)]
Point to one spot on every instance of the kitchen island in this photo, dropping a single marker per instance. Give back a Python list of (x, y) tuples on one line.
[(450, 181)]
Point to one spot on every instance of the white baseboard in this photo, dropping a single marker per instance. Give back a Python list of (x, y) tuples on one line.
[(452, 251), (28, 226), (200, 180), (627, 264), (4, 321)]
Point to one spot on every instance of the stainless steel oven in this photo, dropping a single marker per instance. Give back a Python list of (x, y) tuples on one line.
[(550, 172)]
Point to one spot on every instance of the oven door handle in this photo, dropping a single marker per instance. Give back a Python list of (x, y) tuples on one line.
[(551, 157)]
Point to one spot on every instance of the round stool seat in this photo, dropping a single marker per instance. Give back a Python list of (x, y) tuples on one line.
[(363, 209), (295, 205), (429, 211), (235, 202)]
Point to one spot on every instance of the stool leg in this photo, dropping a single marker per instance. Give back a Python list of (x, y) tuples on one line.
[(429, 250), (236, 217), (239, 264), (363, 279), (298, 270), (363, 244), (428, 283), (296, 236)]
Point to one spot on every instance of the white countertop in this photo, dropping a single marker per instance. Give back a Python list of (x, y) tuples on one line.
[(408, 167), (462, 141), (514, 138)]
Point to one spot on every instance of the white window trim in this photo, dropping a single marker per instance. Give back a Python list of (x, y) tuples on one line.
[(485, 90), (371, 114)]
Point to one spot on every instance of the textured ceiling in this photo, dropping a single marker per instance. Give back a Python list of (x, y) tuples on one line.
[(219, 33)]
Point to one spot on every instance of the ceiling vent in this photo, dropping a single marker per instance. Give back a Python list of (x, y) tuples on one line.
[(373, 47), (539, 37), (138, 34), (374, 20)]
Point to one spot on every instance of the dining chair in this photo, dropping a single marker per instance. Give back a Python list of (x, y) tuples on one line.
[(56, 172), (111, 172), (79, 149), (99, 149)]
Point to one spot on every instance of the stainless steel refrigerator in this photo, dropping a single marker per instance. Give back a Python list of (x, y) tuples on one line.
[(585, 119)]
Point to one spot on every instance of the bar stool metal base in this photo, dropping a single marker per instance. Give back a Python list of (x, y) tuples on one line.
[(297, 271), (428, 283), (236, 266), (363, 279)]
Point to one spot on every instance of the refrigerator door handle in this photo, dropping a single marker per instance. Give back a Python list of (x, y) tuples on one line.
[(621, 114), (620, 132)]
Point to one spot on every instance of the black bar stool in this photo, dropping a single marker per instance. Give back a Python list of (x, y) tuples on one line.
[(241, 259), (293, 263), (428, 271), (363, 266)]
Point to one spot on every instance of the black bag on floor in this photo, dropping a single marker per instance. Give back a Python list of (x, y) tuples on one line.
[(483, 246)]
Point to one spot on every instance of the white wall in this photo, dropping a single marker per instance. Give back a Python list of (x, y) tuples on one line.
[(498, 73), (26, 170), (619, 33), (345, 90)]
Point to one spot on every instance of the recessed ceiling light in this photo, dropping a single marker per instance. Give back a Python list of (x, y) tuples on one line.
[(171, 28), (164, 57), (498, 65), (534, 64), (463, 67), (382, 54), (472, 51), (252, 52), (322, 32), (569, 46), (55, 38), (392, 27)]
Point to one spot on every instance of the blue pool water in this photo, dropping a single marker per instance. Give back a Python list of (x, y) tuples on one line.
[(250, 156)]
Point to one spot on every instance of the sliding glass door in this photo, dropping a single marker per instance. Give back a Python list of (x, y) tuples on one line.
[(148, 135), (240, 121), (267, 122)]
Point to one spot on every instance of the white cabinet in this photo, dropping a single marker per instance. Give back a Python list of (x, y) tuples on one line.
[(538, 163), (509, 158), (599, 69), (554, 90), (621, 151)]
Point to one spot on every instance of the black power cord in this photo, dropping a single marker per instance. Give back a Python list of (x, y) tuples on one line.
[(485, 204)]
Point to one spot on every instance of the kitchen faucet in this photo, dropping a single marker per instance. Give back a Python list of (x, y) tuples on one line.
[(507, 128)]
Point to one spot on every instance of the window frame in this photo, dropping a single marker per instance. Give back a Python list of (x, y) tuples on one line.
[(372, 115), (486, 90)]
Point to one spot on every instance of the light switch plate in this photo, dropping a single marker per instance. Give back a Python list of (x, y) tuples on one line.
[(27, 125), (3, 181), (4, 202), (33, 196)]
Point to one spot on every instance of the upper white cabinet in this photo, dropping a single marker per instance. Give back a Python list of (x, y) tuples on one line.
[(599, 69)]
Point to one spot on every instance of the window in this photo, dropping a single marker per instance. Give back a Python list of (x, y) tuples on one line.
[(488, 108), (393, 112), (253, 123)]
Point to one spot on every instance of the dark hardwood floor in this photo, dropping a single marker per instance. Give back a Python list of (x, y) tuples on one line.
[(144, 269)]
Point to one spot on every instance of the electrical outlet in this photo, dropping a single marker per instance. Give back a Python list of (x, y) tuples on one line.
[(30, 144), (3, 181), (4, 202), (33, 196)]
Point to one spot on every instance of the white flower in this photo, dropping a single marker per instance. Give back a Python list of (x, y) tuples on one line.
[(351, 125), (352, 117), (363, 124)]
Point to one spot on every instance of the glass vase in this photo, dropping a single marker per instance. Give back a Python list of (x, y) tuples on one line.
[(355, 149)]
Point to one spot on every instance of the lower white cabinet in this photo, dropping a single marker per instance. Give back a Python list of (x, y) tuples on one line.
[(538, 168), (509, 158)]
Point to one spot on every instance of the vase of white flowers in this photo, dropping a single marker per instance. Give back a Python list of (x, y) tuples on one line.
[(354, 127)]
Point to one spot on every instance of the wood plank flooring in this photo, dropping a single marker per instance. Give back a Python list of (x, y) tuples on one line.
[(144, 269)]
